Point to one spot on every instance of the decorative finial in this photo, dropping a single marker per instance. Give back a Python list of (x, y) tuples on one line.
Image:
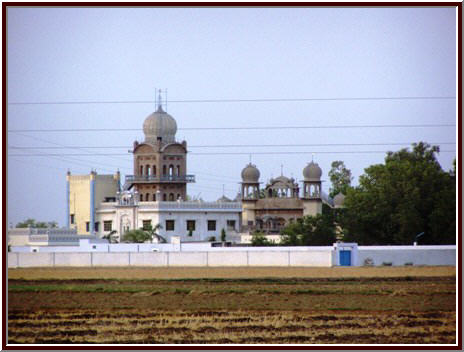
[(223, 190), (312, 157), (250, 158), (281, 169), (159, 99)]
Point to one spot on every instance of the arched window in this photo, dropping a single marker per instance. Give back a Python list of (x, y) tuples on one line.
[(147, 197), (154, 197), (164, 197), (171, 170), (164, 170), (141, 197), (147, 170), (141, 169), (178, 170), (171, 197), (178, 196), (154, 170)]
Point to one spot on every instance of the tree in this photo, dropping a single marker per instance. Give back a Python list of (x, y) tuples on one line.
[(143, 235), (136, 236), (340, 177), (32, 223), (259, 239), (153, 232), (395, 201), (318, 230), (111, 237), (223, 235)]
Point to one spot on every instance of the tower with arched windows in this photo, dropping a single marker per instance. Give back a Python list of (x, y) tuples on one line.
[(160, 162), (312, 192)]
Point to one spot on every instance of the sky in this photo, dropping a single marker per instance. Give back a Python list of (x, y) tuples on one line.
[(63, 55)]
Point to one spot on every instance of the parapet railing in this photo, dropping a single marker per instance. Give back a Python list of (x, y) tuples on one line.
[(165, 178)]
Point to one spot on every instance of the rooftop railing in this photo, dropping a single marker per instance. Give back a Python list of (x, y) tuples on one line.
[(166, 178)]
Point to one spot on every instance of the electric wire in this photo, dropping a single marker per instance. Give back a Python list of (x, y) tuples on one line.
[(231, 128), (257, 100)]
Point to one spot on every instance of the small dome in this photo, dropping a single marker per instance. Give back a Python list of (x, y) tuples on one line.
[(339, 199), (159, 124), (312, 172), (224, 199), (250, 174)]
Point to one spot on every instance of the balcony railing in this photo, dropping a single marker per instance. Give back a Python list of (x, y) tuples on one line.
[(166, 178)]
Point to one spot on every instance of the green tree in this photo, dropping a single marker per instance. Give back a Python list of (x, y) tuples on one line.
[(143, 235), (111, 237), (395, 201), (136, 236), (223, 235), (34, 224), (340, 177), (259, 239), (318, 230)]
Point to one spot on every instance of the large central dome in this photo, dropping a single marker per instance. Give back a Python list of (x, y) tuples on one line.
[(160, 125)]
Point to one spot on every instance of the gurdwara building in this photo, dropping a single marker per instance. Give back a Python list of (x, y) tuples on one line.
[(156, 193)]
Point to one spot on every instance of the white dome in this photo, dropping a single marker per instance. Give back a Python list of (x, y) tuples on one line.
[(250, 174), (159, 124), (339, 199), (312, 172)]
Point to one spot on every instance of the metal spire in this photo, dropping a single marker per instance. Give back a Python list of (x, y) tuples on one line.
[(281, 169), (159, 100)]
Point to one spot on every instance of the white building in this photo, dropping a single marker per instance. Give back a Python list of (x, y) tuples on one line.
[(155, 194)]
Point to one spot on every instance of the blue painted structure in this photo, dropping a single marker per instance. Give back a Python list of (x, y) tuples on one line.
[(345, 258)]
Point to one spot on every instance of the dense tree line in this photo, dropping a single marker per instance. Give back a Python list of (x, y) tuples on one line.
[(396, 201)]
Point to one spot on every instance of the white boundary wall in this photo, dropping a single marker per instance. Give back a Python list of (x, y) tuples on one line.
[(252, 256)]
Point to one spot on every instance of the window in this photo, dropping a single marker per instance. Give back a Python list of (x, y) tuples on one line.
[(211, 225), (164, 197), (141, 197), (171, 197), (96, 226), (94, 247), (141, 169), (72, 218), (190, 225), (146, 224), (147, 197), (154, 170), (107, 225), (154, 197), (230, 225), (87, 226), (178, 170), (164, 170), (169, 225)]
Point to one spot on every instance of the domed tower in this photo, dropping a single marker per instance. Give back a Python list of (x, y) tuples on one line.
[(250, 194), (160, 162), (339, 200), (312, 189)]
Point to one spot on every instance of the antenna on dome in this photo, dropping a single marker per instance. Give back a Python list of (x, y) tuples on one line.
[(250, 158), (281, 169), (159, 99), (312, 157), (223, 190)]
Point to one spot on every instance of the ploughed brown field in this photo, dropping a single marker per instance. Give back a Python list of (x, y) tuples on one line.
[(233, 305)]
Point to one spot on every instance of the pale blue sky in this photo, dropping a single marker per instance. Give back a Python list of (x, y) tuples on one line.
[(106, 54)]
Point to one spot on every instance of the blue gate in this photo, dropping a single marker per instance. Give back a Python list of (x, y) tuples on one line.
[(345, 258)]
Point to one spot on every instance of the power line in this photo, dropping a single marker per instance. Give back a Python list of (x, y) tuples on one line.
[(239, 145), (238, 128), (259, 100), (238, 153)]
